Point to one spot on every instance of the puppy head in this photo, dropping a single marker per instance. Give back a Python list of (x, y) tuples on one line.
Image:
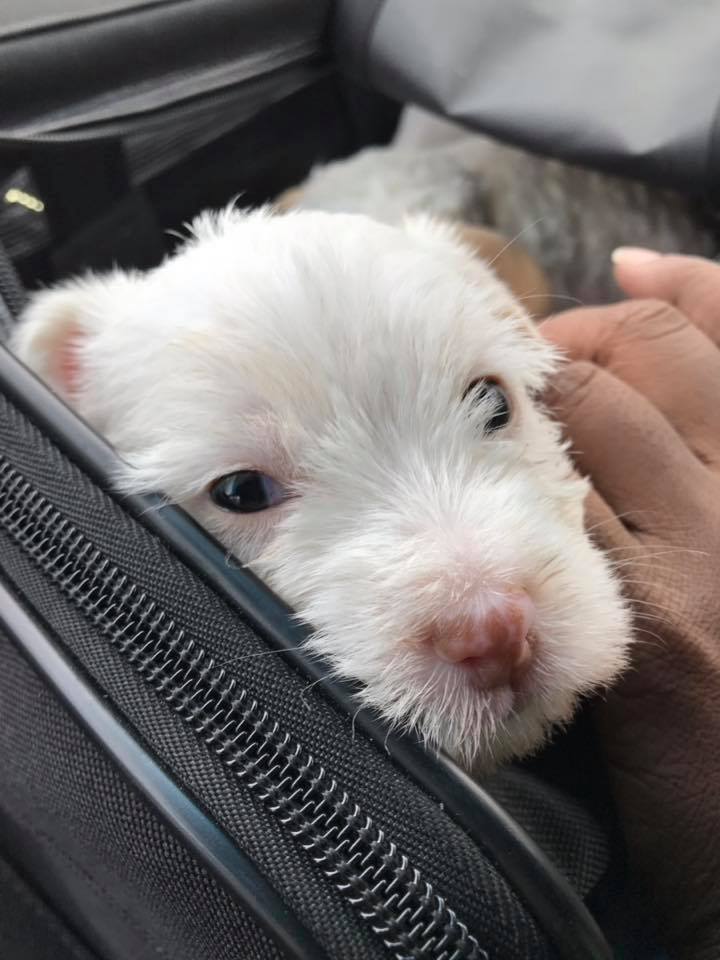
[(350, 408), (520, 272)]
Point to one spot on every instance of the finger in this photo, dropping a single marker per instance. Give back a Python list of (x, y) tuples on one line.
[(692, 284), (652, 347), (633, 456)]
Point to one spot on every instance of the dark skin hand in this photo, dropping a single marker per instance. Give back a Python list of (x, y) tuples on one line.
[(641, 401)]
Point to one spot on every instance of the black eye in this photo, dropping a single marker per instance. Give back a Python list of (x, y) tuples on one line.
[(247, 491), (494, 401)]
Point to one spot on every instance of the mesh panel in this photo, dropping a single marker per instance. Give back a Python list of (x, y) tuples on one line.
[(29, 929), (110, 866), (565, 831)]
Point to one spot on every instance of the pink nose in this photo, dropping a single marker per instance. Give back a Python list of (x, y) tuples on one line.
[(490, 636)]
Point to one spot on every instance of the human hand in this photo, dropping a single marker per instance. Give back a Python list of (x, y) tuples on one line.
[(641, 401)]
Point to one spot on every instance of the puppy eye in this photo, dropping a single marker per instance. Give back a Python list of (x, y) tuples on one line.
[(492, 397), (247, 491)]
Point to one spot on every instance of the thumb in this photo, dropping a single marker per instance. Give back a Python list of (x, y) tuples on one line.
[(692, 284)]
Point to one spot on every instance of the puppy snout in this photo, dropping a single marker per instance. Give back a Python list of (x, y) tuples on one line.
[(489, 637)]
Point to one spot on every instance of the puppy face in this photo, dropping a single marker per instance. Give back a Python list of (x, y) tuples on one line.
[(350, 408)]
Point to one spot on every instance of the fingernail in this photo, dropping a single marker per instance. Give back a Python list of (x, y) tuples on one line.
[(634, 255)]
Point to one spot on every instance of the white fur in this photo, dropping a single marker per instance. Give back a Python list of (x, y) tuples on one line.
[(332, 352)]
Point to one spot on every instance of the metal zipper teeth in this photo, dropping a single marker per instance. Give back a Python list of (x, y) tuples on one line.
[(413, 921)]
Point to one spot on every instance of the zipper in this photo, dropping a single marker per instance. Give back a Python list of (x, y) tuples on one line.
[(378, 880)]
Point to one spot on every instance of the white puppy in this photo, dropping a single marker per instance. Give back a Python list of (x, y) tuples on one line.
[(350, 407)]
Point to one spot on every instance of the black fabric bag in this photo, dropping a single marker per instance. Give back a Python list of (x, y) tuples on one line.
[(119, 119), (630, 88), (177, 778)]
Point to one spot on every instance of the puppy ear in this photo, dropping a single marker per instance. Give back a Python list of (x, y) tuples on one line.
[(53, 331)]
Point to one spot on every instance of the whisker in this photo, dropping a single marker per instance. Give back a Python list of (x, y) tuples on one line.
[(352, 722), (553, 296), (313, 683), (620, 565), (515, 238), (251, 656), (645, 583), (658, 553), (661, 640), (652, 617), (626, 515), (639, 583)]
